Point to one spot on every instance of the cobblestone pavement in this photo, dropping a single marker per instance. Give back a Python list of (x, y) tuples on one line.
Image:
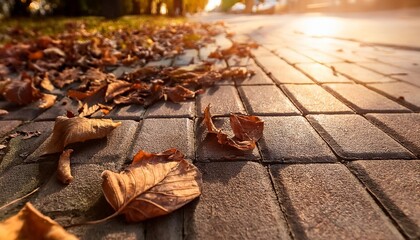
[(340, 156)]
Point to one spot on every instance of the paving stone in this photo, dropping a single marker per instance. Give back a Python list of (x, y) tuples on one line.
[(259, 78), (261, 52), (121, 70), (321, 73), (19, 149), (402, 92), (321, 57), (170, 109), (166, 227), (364, 100), (160, 134), (292, 56), (77, 198), (292, 139), (20, 180), (281, 71), (166, 62), (25, 113), (314, 99), (113, 229), (223, 100), (233, 207), (353, 137), (395, 72), (8, 126), (205, 51), (236, 61), (222, 41), (113, 148), (59, 109), (405, 128), (349, 55), (386, 179), (360, 74), (190, 56), (130, 112), (325, 201), (266, 100), (208, 149)]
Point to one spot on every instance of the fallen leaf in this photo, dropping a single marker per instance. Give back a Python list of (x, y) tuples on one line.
[(153, 185), (47, 101), (178, 93), (29, 223), (29, 134), (36, 55), (66, 77), (54, 51), (80, 95), (116, 88), (2, 146), (63, 168), (77, 129), (46, 83), (21, 92), (86, 110), (247, 130), (3, 112)]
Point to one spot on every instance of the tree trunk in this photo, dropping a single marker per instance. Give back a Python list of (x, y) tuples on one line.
[(248, 6)]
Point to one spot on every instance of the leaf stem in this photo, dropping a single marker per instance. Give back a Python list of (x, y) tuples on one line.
[(17, 200)]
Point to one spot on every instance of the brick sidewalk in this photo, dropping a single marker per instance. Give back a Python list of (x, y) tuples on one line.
[(340, 156)]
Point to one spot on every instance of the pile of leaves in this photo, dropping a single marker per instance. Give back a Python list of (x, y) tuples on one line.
[(81, 62)]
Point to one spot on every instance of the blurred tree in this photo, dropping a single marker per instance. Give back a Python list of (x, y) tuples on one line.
[(248, 6), (225, 5), (20, 8)]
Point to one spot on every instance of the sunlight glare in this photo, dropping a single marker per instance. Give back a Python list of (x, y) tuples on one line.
[(319, 26), (212, 4)]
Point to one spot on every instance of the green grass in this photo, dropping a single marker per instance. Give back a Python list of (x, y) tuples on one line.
[(33, 27)]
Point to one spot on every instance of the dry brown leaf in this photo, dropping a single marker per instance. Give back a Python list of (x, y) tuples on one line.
[(21, 92), (80, 95), (77, 129), (46, 83), (67, 76), (178, 93), (116, 88), (86, 110), (247, 130), (153, 185), (3, 112), (29, 223), (63, 168), (47, 101), (36, 55)]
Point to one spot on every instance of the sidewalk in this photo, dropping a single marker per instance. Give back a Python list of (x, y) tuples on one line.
[(339, 159)]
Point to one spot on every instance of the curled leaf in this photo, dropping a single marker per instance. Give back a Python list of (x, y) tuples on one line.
[(46, 83), (47, 101), (21, 92), (178, 93), (29, 223), (63, 168), (247, 130), (153, 185), (3, 112), (116, 88), (77, 129)]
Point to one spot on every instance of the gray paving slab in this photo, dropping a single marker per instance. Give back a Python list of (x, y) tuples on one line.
[(311, 98), (325, 201), (280, 71), (8, 126), (223, 99), (170, 109), (166, 227), (395, 72), (292, 139), (130, 112), (396, 185), (261, 52), (208, 149), (260, 77), (364, 100), (405, 128), (266, 100), (292, 56), (81, 196), (321, 73), (113, 148), (115, 228), (159, 134), (19, 149), (401, 92), (359, 73), (190, 56), (59, 109), (320, 57), (25, 113), (20, 180), (354, 137), (233, 207), (166, 62), (205, 51)]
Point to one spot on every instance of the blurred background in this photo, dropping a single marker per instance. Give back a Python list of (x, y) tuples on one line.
[(117, 8)]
